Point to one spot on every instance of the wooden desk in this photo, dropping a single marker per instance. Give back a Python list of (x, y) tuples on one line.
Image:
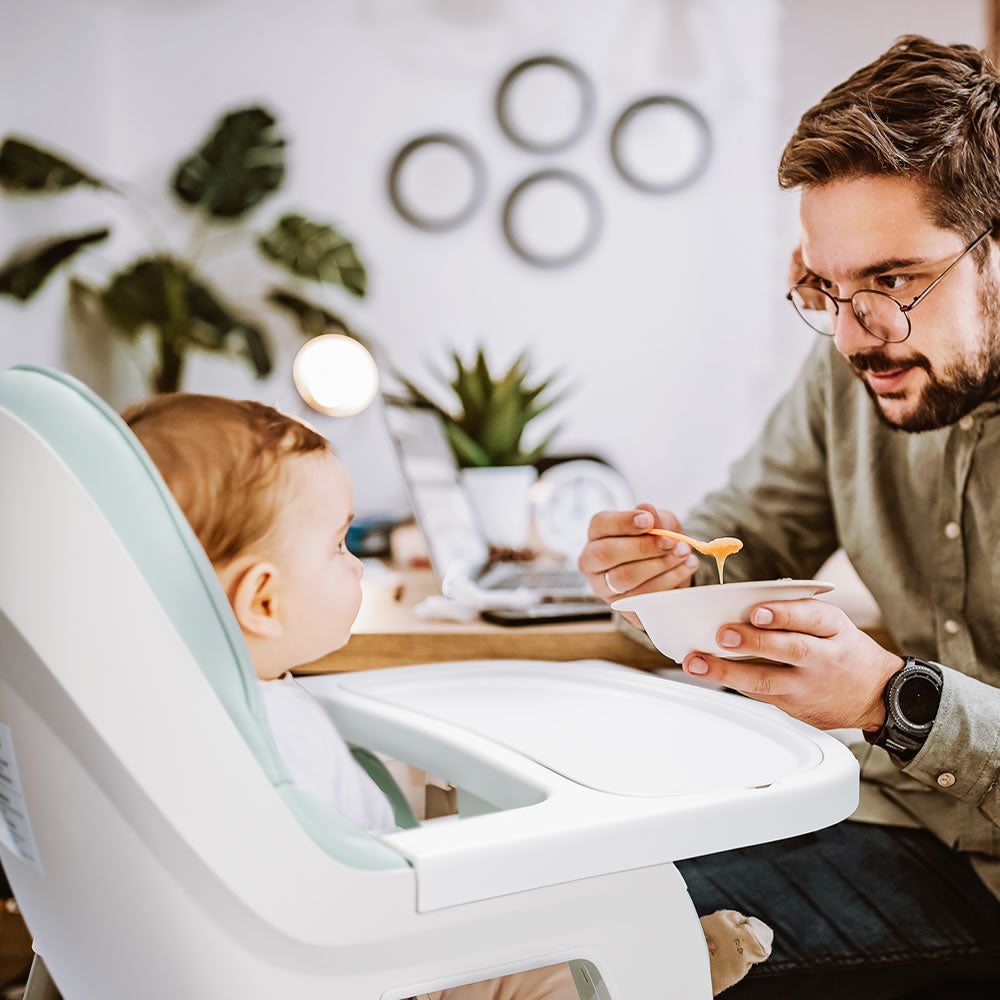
[(388, 634)]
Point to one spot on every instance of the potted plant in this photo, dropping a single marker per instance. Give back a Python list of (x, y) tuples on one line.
[(165, 291), (485, 431)]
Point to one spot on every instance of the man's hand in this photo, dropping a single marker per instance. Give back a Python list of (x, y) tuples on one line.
[(620, 558), (835, 674)]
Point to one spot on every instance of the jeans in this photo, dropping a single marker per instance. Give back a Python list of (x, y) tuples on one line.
[(859, 912)]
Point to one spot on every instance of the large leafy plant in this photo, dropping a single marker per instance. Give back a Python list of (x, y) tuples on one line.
[(239, 165), (492, 413)]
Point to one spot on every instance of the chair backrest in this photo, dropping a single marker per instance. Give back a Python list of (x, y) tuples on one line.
[(108, 461)]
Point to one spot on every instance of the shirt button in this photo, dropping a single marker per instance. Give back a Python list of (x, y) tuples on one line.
[(946, 780), (951, 627), (952, 530), (966, 423)]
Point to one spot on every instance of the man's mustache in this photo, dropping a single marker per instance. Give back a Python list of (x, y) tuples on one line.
[(878, 361)]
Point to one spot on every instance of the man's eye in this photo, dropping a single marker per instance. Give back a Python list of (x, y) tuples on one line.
[(892, 282)]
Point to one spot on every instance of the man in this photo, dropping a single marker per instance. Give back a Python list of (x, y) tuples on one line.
[(888, 445)]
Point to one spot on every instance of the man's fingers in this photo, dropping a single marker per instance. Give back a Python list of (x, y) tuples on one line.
[(795, 648), (758, 680), (665, 573), (602, 554), (611, 523), (810, 616)]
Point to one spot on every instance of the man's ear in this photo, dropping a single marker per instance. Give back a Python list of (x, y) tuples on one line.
[(254, 597)]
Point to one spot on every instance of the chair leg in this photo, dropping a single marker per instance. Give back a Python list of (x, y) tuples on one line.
[(40, 985)]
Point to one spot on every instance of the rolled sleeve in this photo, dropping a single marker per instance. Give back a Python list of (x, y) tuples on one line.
[(962, 754)]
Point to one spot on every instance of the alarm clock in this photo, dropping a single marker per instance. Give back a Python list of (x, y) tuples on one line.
[(567, 495)]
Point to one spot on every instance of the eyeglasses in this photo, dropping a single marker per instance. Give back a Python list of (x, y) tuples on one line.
[(878, 312)]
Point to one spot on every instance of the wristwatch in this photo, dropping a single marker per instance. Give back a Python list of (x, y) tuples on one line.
[(911, 696)]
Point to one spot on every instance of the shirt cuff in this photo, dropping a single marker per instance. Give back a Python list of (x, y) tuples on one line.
[(960, 755)]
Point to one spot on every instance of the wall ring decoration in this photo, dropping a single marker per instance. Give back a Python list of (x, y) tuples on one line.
[(418, 207), (541, 185), (670, 145), (519, 76)]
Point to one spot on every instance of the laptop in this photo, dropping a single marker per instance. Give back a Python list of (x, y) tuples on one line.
[(455, 540)]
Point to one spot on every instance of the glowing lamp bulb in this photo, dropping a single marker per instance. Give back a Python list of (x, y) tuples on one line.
[(335, 375)]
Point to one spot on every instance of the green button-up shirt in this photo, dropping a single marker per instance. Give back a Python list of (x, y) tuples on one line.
[(919, 517)]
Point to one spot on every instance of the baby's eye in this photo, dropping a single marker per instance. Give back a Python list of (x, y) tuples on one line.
[(342, 547)]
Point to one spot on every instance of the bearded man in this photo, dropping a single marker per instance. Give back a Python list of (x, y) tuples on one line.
[(888, 446)]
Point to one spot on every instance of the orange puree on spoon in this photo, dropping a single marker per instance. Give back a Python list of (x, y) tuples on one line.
[(719, 548)]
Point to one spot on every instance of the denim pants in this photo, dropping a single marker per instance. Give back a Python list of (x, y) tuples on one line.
[(859, 912)]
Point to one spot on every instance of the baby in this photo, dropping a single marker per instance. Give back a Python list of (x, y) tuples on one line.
[(271, 505)]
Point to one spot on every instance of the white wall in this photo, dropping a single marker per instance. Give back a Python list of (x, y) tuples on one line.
[(672, 332)]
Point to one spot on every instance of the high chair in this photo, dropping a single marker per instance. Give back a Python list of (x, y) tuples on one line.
[(159, 850)]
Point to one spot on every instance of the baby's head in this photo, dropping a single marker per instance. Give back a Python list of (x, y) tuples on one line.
[(270, 503)]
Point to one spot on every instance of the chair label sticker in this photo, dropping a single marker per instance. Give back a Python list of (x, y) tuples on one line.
[(15, 827)]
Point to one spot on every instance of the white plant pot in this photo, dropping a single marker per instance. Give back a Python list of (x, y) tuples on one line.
[(500, 496)]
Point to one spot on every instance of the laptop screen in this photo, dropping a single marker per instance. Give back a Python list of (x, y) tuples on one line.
[(440, 505)]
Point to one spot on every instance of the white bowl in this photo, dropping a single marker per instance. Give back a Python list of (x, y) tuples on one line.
[(682, 621)]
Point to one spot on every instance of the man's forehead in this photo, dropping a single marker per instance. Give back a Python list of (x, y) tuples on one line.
[(850, 227)]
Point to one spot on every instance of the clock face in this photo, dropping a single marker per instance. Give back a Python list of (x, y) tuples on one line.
[(568, 495)]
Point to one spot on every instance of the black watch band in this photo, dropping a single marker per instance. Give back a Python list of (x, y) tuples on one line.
[(911, 696)]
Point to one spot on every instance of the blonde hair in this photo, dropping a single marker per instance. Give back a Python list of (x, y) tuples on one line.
[(222, 459), (923, 110)]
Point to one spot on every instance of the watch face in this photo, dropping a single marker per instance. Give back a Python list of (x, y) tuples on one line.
[(917, 701), (568, 495)]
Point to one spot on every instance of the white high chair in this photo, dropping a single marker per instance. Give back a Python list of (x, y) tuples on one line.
[(158, 849)]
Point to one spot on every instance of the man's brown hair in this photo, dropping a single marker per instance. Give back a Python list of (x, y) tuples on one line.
[(921, 109), (222, 460)]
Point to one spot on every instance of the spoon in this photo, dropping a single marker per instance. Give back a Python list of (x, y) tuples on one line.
[(719, 548)]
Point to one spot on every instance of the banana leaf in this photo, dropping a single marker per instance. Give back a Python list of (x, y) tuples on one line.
[(314, 251), (312, 319), (29, 267), (238, 166), (160, 292), (28, 169)]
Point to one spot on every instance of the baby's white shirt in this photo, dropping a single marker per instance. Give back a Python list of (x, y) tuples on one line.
[(318, 758)]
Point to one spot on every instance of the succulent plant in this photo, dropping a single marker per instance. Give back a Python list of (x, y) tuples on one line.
[(493, 412)]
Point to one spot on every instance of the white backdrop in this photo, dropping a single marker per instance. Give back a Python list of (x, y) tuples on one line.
[(673, 332)]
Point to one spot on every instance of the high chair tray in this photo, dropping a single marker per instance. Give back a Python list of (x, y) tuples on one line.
[(586, 761)]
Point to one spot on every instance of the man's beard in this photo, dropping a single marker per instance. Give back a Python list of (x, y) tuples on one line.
[(959, 388)]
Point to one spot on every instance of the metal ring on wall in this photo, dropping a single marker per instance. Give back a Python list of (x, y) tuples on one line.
[(590, 199), (411, 213), (584, 86), (698, 165)]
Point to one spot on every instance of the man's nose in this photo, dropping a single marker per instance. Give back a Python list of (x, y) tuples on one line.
[(849, 335)]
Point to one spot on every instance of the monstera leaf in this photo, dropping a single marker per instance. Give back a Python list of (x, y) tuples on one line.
[(314, 251), (27, 270), (240, 164), (28, 169), (159, 291), (312, 319)]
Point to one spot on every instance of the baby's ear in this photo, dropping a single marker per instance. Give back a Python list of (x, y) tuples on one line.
[(253, 594)]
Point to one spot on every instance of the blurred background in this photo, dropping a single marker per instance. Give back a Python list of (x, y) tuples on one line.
[(669, 330)]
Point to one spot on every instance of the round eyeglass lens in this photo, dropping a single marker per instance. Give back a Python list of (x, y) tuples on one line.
[(881, 316), (817, 309)]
